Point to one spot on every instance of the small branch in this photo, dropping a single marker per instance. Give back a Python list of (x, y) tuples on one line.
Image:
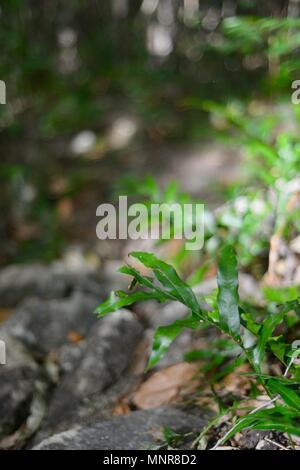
[(275, 444), (261, 407)]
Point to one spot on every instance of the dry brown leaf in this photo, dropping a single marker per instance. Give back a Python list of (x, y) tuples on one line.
[(166, 386), (235, 382), (206, 400), (65, 208), (122, 408), (74, 336), (5, 314)]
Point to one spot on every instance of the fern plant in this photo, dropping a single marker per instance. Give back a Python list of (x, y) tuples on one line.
[(226, 312)]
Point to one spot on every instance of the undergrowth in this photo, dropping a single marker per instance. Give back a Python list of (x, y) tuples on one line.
[(252, 233)]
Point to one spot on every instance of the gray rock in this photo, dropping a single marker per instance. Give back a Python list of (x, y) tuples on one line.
[(16, 393), (43, 325), (265, 445), (100, 375), (69, 355), (249, 439), (17, 385), (140, 430), (44, 281), (33, 331)]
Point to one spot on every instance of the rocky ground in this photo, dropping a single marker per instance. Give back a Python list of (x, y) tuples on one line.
[(64, 367), (67, 371), (73, 381)]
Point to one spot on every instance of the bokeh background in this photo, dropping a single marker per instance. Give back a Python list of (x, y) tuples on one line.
[(101, 94), (163, 101)]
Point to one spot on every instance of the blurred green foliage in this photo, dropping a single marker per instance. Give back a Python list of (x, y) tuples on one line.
[(77, 65)]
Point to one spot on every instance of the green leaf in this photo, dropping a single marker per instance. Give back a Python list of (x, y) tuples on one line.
[(248, 322), (198, 276), (228, 298), (289, 396), (147, 282), (165, 335), (118, 300), (278, 348), (293, 305), (265, 334), (168, 277), (276, 418), (289, 306), (172, 438), (280, 379), (281, 295)]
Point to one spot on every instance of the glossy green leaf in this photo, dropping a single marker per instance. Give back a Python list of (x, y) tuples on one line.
[(276, 418), (281, 295), (118, 300), (265, 333), (228, 299), (165, 335), (168, 277), (147, 282), (289, 396)]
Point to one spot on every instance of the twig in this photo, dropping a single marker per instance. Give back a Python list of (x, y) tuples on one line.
[(275, 443), (265, 405)]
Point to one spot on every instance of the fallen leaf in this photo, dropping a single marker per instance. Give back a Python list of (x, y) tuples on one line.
[(122, 408), (65, 208), (5, 314), (74, 336), (236, 382), (167, 385)]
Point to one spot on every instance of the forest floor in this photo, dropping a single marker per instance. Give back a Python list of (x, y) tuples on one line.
[(72, 381)]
